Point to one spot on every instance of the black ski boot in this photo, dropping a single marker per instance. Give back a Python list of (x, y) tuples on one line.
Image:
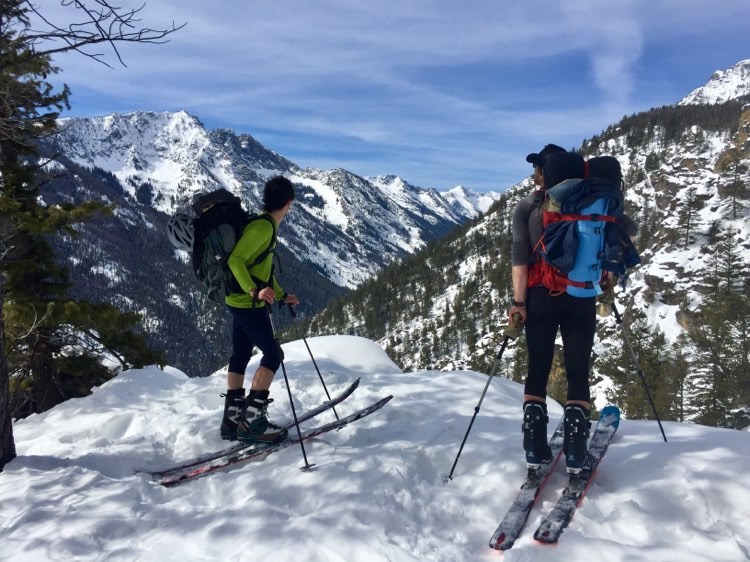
[(534, 428), (577, 430), (254, 425), (234, 403)]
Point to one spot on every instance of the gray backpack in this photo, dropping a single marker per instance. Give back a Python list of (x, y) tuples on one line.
[(220, 221)]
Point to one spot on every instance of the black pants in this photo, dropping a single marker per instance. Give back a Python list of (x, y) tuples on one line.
[(576, 319), (251, 327)]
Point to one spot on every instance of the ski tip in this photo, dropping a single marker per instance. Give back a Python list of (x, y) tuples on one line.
[(497, 542), (610, 414), (545, 537), (545, 540)]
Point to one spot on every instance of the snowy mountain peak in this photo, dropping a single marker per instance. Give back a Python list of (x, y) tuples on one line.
[(163, 159), (390, 182), (723, 86), (161, 149), (461, 200), (464, 198), (141, 120)]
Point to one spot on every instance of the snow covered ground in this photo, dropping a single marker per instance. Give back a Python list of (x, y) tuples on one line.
[(377, 492)]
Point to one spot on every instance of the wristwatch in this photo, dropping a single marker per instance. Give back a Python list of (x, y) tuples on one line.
[(519, 304)]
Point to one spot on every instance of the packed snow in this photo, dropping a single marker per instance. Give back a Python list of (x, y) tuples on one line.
[(377, 491)]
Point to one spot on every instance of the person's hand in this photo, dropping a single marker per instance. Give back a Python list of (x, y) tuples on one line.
[(291, 300), (608, 282), (516, 320), (265, 294)]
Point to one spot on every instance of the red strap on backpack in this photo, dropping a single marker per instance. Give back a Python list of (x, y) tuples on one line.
[(542, 273), (548, 217)]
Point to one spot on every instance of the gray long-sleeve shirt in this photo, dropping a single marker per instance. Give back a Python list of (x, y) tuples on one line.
[(526, 229)]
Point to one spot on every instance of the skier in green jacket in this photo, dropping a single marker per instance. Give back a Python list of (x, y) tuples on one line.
[(245, 418)]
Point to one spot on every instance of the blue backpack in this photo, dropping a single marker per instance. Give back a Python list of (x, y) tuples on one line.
[(581, 240)]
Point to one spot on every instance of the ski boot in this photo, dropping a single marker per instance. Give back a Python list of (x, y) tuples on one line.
[(254, 425), (234, 403), (534, 427), (577, 430)]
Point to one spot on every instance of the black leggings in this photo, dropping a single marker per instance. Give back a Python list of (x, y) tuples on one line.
[(576, 319), (251, 327)]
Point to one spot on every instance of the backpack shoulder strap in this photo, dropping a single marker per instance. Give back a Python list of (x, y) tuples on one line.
[(272, 244)]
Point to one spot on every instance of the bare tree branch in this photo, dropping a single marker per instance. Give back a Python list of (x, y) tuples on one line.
[(103, 24)]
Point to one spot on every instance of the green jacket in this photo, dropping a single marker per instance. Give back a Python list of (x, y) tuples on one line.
[(254, 240)]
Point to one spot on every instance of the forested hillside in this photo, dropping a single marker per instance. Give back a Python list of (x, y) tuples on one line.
[(687, 307)]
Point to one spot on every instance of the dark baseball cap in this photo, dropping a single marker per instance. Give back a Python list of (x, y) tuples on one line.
[(538, 158)]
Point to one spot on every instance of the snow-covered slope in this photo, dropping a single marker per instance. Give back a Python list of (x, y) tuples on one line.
[(377, 492)]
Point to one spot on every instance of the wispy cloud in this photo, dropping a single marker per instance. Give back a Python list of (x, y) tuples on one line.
[(442, 93)]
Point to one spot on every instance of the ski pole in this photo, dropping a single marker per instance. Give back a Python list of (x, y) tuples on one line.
[(512, 331), (307, 466), (299, 331), (634, 359)]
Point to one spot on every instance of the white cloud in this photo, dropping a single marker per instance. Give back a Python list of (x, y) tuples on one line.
[(457, 78)]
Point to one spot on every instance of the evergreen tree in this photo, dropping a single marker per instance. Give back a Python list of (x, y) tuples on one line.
[(662, 370), (520, 360), (721, 336), (686, 213), (652, 162), (48, 338), (557, 384), (737, 190)]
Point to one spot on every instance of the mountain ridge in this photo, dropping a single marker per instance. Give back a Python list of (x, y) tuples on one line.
[(175, 157), (343, 228)]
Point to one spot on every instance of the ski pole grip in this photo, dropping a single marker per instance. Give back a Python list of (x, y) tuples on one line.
[(513, 330), (291, 310)]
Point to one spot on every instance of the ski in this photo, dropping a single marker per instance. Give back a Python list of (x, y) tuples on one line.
[(515, 518), (263, 449), (553, 525), (305, 416)]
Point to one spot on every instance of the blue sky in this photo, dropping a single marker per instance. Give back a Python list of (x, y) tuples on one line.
[(441, 92)]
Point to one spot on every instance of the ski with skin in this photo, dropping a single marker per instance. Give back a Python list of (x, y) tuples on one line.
[(305, 416), (553, 525), (515, 518), (264, 449)]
